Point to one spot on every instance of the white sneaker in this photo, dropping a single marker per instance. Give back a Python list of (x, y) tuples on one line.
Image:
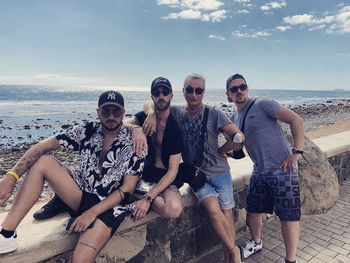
[(8, 244), (251, 247)]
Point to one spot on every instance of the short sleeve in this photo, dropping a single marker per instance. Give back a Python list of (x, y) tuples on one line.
[(136, 165), (220, 118), (269, 106), (70, 139)]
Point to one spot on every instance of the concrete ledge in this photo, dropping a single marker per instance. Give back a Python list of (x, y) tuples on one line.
[(42, 240)]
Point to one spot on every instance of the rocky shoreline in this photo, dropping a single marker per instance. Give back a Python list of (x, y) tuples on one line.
[(314, 116)]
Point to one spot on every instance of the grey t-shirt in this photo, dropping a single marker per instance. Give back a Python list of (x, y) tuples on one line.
[(213, 163), (265, 140)]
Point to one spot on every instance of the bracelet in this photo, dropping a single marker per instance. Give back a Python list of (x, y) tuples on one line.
[(122, 197), (134, 126), (13, 174)]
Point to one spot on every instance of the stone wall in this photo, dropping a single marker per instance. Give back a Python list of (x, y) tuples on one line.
[(341, 165), (185, 239)]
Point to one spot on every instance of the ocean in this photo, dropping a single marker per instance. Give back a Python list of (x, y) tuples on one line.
[(30, 113)]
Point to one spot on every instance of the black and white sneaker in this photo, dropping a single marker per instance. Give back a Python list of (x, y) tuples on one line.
[(8, 244), (251, 247)]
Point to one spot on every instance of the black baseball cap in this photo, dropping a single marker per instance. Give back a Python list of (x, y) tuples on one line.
[(235, 76), (111, 97), (161, 82)]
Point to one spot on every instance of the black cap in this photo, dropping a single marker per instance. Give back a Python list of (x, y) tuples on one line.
[(235, 76), (161, 82), (111, 97)]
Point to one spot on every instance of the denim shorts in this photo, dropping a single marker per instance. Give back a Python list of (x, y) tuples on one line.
[(219, 186), (277, 190)]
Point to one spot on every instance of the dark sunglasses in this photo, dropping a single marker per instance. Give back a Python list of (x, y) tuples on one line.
[(242, 87), (156, 92), (190, 90), (107, 112)]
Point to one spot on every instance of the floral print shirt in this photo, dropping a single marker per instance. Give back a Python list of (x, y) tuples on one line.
[(120, 160)]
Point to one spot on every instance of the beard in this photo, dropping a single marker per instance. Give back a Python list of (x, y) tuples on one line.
[(111, 128), (164, 107)]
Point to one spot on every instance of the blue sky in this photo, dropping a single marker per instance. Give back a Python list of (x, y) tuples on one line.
[(278, 44)]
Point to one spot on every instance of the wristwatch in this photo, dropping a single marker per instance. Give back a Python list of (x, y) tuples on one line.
[(296, 151), (148, 198)]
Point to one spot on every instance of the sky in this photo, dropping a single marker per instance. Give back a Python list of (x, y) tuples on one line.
[(125, 44)]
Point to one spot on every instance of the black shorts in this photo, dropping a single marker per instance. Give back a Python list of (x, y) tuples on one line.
[(88, 200), (277, 190), (154, 174)]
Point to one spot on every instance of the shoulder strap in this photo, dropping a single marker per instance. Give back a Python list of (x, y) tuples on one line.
[(205, 119), (246, 113)]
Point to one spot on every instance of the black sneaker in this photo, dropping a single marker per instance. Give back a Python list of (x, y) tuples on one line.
[(51, 209)]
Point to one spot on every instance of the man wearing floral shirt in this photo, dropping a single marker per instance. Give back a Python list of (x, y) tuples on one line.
[(96, 194)]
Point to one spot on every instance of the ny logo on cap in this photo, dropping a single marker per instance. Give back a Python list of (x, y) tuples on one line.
[(111, 96)]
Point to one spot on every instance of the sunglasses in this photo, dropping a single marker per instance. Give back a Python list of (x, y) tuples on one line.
[(156, 92), (242, 87), (107, 112), (190, 90)]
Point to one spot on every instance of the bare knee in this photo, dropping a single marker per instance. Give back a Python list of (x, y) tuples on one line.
[(43, 163), (173, 209)]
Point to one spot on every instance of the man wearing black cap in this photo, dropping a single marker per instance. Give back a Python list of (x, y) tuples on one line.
[(158, 184), (96, 194)]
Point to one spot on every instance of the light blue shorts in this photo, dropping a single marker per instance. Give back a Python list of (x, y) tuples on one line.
[(219, 186)]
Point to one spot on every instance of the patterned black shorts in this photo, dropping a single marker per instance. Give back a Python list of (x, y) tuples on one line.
[(277, 190)]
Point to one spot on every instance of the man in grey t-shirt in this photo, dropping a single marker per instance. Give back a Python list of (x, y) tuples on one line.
[(201, 149), (274, 182)]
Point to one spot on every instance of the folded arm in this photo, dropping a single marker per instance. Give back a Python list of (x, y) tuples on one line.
[(229, 130)]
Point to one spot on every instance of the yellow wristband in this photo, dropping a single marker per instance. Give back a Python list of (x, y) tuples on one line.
[(14, 175)]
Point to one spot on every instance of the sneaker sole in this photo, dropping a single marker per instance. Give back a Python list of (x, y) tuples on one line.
[(8, 249), (257, 251)]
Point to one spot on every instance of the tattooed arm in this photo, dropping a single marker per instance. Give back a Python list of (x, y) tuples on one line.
[(8, 181)]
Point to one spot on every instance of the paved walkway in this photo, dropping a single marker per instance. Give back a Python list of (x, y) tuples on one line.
[(323, 238)]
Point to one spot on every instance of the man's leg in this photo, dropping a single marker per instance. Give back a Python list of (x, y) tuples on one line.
[(169, 203), (222, 227), (254, 222), (51, 209), (46, 168), (290, 233), (91, 242)]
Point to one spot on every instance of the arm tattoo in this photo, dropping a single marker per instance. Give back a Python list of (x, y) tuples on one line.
[(87, 245), (28, 159)]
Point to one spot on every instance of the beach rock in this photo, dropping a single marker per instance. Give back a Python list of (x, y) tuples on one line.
[(319, 187), (65, 126)]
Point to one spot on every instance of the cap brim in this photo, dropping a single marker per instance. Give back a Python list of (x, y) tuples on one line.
[(110, 103)]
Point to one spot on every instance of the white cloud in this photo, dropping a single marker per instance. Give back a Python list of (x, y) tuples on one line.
[(218, 16), (216, 37), (204, 10), (273, 5), (343, 54), (168, 2), (299, 19), (283, 28), (242, 1), (243, 11), (185, 14), (201, 4), (338, 23), (256, 34)]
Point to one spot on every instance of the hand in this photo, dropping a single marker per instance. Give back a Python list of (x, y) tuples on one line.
[(150, 124), (7, 183), (290, 162), (139, 142), (82, 222), (140, 209)]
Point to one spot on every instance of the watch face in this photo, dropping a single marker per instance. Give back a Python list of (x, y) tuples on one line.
[(148, 198)]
